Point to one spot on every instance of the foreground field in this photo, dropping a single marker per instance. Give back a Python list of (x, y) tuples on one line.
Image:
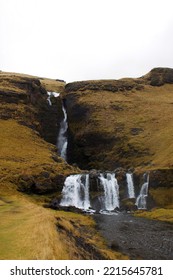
[(29, 231)]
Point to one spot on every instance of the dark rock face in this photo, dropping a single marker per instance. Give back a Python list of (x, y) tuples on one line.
[(160, 76), (102, 127), (42, 183), (161, 178), (25, 100), (108, 85)]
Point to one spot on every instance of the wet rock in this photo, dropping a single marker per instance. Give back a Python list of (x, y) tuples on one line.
[(128, 204)]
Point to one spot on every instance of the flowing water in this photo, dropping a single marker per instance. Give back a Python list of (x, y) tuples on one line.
[(62, 140), (141, 201), (130, 185), (52, 94), (76, 191), (111, 191)]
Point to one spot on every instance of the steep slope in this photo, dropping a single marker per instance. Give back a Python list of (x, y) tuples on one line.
[(31, 172), (26, 118), (123, 123)]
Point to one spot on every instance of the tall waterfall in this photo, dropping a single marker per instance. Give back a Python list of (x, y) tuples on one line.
[(111, 191), (130, 185), (141, 201), (62, 140), (76, 191)]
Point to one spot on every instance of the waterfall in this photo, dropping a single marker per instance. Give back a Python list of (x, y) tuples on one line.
[(141, 201), (76, 191), (62, 141), (130, 185), (50, 94), (111, 191)]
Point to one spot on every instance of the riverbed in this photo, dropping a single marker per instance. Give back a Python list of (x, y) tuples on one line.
[(139, 238)]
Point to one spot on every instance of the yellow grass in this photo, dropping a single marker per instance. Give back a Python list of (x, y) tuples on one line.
[(29, 231), (49, 84), (22, 151), (163, 196), (162, 214), (149, 109)]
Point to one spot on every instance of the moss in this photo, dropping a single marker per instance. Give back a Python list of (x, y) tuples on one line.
[(163, 197)]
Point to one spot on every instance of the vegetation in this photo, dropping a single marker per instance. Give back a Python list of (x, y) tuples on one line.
[(133, 127), (30, 164), (125, 123), (161, 214)]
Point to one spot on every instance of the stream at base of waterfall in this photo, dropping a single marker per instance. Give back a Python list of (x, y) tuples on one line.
[(137, 237)]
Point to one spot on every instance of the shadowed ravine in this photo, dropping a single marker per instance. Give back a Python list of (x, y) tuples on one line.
[(139, 238)]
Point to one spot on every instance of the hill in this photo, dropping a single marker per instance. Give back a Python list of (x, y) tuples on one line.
[(32, 173), (123, 123)]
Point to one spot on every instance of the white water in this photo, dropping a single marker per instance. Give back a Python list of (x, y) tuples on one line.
[(76, 192), (111, 191), (130, 185), (141, 201), (50, 94), (62, 141)]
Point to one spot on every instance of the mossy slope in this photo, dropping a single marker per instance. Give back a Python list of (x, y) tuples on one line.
[(125, 123)]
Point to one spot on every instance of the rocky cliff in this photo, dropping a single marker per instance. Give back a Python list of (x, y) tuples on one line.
[(29, 128), (123, 123), (112, 123)]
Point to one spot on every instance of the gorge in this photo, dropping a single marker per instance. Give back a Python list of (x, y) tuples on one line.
[(94, 141)]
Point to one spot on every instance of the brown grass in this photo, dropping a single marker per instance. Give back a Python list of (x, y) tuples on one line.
[(29, 231), (49, 84), (117, 114), (161, 214), (163, 197), (22, 151)]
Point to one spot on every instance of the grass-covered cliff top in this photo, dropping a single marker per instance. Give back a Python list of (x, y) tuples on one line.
[(125, 122)]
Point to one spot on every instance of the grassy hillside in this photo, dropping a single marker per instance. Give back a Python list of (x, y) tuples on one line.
[(126, 123), (123, 123), (31, 165)]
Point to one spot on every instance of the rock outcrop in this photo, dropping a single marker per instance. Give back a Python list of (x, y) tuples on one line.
[(121, 123), (28, 124)]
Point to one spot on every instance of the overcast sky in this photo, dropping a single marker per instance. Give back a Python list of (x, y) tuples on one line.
[(85, 39)]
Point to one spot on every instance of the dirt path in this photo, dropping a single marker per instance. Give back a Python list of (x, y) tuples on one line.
[(137, 237)]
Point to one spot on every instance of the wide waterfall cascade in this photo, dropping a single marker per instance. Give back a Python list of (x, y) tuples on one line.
[(130, 185), (62, 140), (111, 191), (141, 201), (76, 191), (52, 94)]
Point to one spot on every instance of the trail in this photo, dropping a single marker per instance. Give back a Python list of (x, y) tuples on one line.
[(139, 238)]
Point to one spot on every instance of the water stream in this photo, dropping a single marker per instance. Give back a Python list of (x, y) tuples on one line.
[(76, 191), (111, 191), (62, 140), (130, 185), (52, 94), (141, 201)]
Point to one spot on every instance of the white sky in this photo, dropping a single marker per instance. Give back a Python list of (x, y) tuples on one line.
[(85, 39)]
